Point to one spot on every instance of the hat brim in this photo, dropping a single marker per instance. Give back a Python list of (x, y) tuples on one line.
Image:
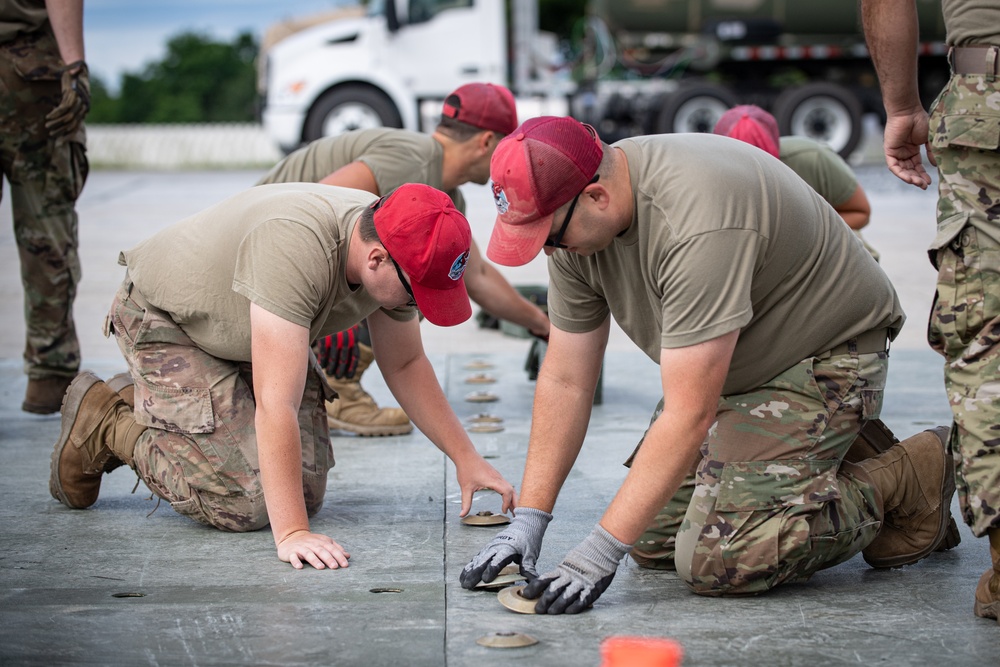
[(443, 307), (516, 245)]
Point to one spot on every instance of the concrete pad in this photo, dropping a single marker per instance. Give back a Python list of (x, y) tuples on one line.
[(216, 598)]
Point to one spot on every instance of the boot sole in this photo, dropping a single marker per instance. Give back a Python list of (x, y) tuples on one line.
[(369, 431), (71, 402), (944, 533)]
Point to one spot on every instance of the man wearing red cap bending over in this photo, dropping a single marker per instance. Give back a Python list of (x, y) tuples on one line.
[(474, 118), (770, 365), (215, 318)]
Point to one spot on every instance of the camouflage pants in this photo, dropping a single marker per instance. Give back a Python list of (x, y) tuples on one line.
[(771, 499), (965, 319), (45, 178), (200, 450)]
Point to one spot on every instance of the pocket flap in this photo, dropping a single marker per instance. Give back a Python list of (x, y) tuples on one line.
[(971, 130), (758, 485), (180, 410)]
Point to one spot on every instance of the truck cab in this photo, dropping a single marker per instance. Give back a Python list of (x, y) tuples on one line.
[(374, 68)]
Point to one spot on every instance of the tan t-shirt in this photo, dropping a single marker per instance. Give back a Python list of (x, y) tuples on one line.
[(394, 156), (972, 22), (725, 237), (819, 166), (283, 247)]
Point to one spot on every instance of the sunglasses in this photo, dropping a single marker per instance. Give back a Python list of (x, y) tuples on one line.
[(556, 241)]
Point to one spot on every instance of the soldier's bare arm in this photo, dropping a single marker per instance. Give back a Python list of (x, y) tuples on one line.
[(856, 211), (489, 289), (410, 376), (891, 30), (278, 384), (355, 175)]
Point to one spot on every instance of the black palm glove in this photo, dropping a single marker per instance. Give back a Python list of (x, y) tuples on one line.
[(584, 574), (338, 353), (519, 543), (75, 103)]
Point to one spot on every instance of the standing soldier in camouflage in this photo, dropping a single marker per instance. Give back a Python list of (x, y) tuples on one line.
[(474, 118), (962, 136), (215, 317), (770, 366), (44, 96)]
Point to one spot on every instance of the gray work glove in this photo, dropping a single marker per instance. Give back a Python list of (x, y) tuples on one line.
[(519, 543), (75, 103), (584, 574)]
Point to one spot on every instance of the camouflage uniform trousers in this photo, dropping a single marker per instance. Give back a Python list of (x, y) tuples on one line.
[(965, 320), (771, 499), (200, 450), (46, 177)]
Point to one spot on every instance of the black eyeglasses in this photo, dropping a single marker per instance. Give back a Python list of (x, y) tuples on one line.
[(556, 242), (399, 272)]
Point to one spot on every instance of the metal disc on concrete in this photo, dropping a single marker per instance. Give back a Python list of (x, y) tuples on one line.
[(477, 365), (485, 418), (482, 397), (508, 576), (480, 378), (506, 640), (486, 518), (485, 428), (511, 598)]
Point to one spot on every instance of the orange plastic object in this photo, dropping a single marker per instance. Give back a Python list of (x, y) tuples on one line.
[(640, 652)]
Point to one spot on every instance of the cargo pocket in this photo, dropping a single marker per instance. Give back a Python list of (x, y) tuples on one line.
[(957, 313), (175, 409), (766, 508), (968, 130)]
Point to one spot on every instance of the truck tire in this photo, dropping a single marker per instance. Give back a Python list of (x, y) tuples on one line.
[(826, 112), (349, 108), (694, 108)]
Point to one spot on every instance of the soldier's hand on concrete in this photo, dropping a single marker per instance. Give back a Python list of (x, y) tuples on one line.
[(519, 542), (903, 137), (338, 353), (75, 103), (584, 574), (318, 550)]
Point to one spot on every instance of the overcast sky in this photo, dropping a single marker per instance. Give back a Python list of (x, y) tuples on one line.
[(124, 35)]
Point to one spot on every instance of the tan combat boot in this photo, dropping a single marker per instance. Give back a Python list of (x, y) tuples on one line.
[(914, 481), (355, 411), (98, 435), (125, 386), (44, 395), (988, 590)]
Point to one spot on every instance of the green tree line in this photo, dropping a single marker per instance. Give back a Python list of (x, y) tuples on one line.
[(200, 80)]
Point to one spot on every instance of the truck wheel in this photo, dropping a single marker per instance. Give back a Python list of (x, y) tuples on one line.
[(694, 108), (825, 112), (349, 108)]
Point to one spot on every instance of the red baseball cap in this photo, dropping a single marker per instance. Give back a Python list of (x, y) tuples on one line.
[(539, 167), (751, 124), (483, 105), (428, 238)]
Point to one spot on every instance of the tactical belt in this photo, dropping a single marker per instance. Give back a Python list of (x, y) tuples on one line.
[(974, 60), (869, 342)]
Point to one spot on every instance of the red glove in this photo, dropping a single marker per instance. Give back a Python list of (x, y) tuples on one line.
[(338, 353)]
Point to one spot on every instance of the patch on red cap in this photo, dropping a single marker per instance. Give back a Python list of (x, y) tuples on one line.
[(544, 164)]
